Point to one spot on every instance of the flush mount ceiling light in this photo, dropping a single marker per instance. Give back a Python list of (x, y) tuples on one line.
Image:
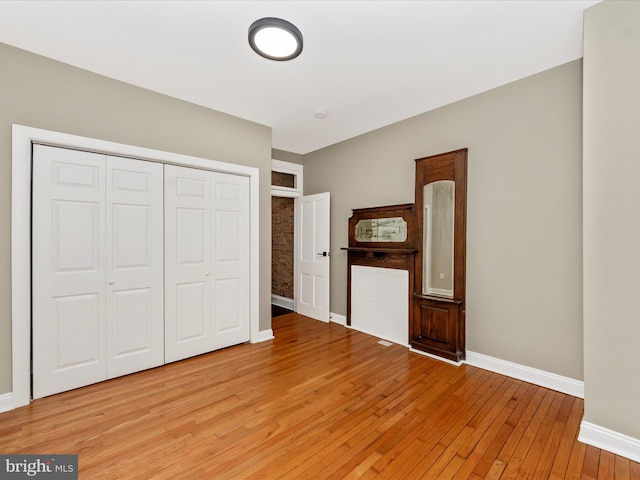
[(275, 39)]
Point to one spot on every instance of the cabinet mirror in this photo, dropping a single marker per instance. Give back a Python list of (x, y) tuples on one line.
[(438, 238), (381, 230)]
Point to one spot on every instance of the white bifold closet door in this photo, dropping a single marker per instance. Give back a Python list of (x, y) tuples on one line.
[(97, 256), (206, 261)]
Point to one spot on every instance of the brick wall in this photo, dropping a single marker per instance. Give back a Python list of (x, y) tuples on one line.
[(282, 246), (283, 179)]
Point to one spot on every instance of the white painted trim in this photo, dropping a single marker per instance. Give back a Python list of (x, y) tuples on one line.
[(542, 378), (6, 402), (609, 440), (283, 302), (436, 357), (337, 318), (23, 138), (294, 169), (21, 266), (254, 254), (263, 336), (284, 192)]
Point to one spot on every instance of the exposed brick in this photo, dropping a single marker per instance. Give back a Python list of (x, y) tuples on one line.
[(282, 246)]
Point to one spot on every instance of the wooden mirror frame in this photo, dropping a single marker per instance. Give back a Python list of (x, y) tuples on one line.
[(437, 323)]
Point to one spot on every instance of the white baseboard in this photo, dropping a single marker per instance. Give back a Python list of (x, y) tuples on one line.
[(282, 302), (263, 336), (6, 402), (559, 383), (609, 440), (337, 318)]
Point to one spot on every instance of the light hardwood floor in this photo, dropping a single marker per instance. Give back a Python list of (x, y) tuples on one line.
[(318, 402)]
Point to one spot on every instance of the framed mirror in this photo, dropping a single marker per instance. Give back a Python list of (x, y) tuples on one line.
[(438, 238), (381, 230)]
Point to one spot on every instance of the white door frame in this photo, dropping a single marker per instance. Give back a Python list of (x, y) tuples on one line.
[(23, 138)]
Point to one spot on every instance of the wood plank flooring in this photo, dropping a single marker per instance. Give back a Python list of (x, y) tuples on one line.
[(318, 402)]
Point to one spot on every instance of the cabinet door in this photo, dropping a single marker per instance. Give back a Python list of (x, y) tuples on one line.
[(68, 251), (134, 262), (435, 328)]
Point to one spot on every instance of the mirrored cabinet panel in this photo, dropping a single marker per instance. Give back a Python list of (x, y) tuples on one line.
[(438, 307)]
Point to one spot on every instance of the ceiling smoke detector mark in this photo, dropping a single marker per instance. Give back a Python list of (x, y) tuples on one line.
[(384, 343), (320, 113)]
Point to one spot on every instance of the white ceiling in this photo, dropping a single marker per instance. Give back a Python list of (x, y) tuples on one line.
[(366, 63)]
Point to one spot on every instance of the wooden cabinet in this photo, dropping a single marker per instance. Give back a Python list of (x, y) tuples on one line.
[(438, 311), (438, 327)]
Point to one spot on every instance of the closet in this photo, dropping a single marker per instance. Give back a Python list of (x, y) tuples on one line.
[(135, 264)]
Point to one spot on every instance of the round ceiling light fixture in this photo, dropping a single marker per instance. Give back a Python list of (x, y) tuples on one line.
[(275, 39)]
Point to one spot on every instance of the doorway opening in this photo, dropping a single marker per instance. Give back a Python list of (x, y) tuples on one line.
[(286, 185)]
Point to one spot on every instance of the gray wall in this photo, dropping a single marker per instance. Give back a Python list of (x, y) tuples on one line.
[(524, 229), (38, 92), (611, 217), (287, 156)]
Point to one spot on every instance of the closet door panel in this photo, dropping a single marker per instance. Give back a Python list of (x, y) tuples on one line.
[(230, 259), (135, 256), (188, 310), (191, 300), (68, 287)]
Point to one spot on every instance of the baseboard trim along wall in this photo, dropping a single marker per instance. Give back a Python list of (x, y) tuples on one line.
[(609, 440), (559, 383), (263, 336), (283, 302), (337, 318), (6, 402)]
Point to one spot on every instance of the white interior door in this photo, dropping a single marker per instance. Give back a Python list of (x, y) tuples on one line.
[(206, 261), (135, 263), (187, 262), (312, 256), (68, 251)]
